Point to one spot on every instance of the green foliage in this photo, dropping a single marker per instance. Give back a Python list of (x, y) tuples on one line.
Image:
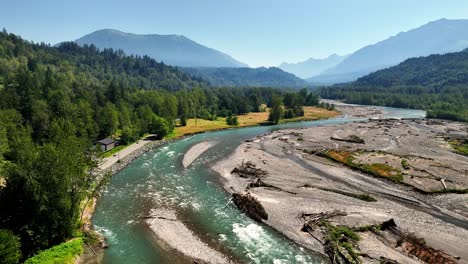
[(64, 253), (129, 135), (460, 146), (56, 101), (436, 83), (9, 247), (404, 164), (364, 196), (365, 228), (232, 120), (236, 77), (375, 169), (276, 110), (45, 185), (340, 239)]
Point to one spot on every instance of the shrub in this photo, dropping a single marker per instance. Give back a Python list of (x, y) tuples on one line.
[(64, 253), (9, 247)]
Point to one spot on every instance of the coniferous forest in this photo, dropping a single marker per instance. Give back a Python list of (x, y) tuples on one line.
[(56, 101)]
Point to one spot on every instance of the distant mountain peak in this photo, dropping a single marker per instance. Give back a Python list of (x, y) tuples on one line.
[(312, 66), (172, 49), (436, 37)]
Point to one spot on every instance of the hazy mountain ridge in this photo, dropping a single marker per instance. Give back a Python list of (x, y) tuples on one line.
[(436, 83), (312, 67), (174, 50), (255, 77), (437, 37)]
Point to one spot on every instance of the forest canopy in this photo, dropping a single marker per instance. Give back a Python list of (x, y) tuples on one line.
[(56, 101)]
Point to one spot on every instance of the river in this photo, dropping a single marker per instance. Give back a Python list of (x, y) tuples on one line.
[(158, 179)]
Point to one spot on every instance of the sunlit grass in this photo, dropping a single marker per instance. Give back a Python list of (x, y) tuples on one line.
[(64, 253), (460, 147), (250, 119), (114, 151)]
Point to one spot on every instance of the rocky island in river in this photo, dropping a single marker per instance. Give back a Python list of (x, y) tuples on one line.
[(382, 191)]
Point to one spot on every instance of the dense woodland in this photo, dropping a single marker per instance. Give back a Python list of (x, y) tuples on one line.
[(252, 77), (437, 83), (56, 101)]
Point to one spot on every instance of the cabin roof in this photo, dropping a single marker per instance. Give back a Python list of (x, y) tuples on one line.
[(106, 141)]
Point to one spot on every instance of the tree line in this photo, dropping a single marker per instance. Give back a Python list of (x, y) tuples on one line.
[(437, 83)]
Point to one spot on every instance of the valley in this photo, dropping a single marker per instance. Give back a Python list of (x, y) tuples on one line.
[(204, 132)]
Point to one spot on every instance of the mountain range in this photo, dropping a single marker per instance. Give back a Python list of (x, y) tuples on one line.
[(312, 67), (436, 83), (437, 37), (175, 50)]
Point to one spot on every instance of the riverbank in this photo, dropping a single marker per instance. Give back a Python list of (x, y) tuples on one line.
[(293, 178), (195, 126), (126, 156)]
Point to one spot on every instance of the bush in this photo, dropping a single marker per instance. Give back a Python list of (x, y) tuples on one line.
[(159, 126), (9, 247), (63, 253), (232, 120), (129, 135)]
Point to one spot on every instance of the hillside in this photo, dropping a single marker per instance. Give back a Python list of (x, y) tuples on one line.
[(255, 77), (174, 50), (437, 37), (56, 101), (437, 83), (312, 67)]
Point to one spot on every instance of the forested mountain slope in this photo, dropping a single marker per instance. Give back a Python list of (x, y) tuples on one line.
[(174, 50), (436, 37), (437, 83), (254, 77)]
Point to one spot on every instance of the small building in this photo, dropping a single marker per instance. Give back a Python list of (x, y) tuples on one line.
[(106, 144)]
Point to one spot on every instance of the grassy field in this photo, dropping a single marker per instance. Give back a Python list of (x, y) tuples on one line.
[(376, 169), (250, 119), (460, 147), (64, 253)]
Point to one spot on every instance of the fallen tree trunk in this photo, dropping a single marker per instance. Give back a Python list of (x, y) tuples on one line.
[(251, 206)]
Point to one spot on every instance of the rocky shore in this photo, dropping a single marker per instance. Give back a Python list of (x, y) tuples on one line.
[(384, 190)]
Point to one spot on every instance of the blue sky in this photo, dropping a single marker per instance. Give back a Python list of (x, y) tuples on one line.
[(257, 32)]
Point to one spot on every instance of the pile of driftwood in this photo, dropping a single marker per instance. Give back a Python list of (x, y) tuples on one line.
[(248, 170), (417, 246), (312, 220), (351, 139), (250, 205)]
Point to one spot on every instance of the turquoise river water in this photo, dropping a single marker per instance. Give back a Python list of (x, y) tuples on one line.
[(158, 179)]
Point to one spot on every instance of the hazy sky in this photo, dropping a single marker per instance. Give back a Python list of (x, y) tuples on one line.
[(257, 32)]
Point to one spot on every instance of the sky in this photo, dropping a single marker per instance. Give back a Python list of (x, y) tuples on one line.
[(256, 32)]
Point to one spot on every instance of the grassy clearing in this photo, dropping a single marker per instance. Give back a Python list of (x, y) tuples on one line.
[(375, 169), (250, 119), (383, 170), (64, 253), (460, 147), (113, 151)]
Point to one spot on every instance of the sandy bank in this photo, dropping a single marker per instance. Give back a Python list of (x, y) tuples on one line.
[(176, 235), (195, 151)]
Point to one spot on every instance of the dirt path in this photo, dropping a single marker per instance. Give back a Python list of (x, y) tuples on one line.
[(109, 161)]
